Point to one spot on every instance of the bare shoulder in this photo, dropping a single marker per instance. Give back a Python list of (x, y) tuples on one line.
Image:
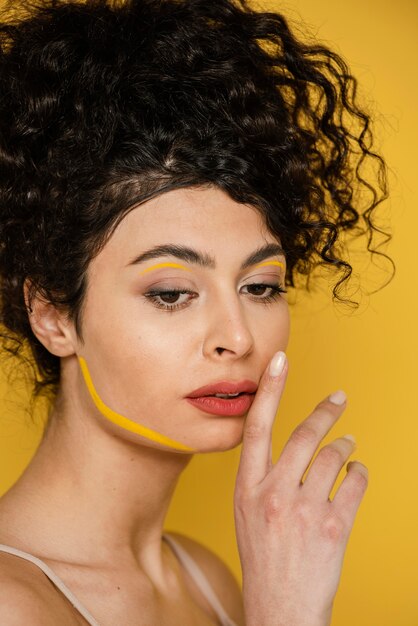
[(219, 575), (28, 597)]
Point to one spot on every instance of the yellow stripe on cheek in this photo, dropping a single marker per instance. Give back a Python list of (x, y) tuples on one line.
[(124, 422)]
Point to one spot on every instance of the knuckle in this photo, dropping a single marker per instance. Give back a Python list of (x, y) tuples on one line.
[(304, 435), (327, 412), (333, 528), (332, 455), (272, 506)]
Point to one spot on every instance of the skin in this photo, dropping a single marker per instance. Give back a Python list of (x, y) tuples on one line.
[(121, 420), (291, 537), (91, 477)]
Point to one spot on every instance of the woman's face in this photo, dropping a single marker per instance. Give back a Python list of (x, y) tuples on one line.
[(143, 359)]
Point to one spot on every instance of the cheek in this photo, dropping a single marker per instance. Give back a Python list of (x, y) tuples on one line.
[(277, 328), (285, 326), (142, 359), (136, 408)]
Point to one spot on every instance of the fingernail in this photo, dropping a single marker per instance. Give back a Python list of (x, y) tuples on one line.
[(338, 397), (350, 437), (277, 364), (360, 468)]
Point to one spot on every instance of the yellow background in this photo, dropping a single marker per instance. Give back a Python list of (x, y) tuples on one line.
[(371, 354)]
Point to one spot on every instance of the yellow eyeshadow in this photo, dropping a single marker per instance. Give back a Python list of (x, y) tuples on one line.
[(187, 269), (176, 265), (270, 263)]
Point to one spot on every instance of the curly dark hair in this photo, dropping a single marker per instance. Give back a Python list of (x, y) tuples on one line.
[(107, 104)]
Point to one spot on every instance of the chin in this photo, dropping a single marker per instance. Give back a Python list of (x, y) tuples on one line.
[(223, 440)]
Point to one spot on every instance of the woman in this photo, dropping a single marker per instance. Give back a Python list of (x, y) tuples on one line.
[(167, 169)]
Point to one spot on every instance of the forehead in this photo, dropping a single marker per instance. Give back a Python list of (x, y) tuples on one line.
[(203, 218), (182, 211)]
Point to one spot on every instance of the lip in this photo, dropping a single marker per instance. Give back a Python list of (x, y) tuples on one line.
[(224, 386), (217, 406)]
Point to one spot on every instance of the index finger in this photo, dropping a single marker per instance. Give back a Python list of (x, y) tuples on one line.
[(255, 460)]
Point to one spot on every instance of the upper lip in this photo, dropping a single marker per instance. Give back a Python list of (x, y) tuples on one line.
[(224, 386)]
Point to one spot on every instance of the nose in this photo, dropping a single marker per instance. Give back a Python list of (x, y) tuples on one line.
[(227, 327)]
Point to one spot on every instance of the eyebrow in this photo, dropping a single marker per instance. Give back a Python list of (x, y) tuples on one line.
[(190, 255)]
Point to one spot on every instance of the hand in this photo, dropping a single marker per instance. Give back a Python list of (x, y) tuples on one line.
[(291, 537)]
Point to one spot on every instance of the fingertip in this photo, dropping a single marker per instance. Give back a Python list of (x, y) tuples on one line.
[(338, 397), (277, 364), (359, 467)]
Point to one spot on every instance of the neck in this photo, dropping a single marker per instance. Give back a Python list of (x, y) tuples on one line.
[(88, 494)]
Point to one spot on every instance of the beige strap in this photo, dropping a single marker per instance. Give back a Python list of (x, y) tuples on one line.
[(55, 579), (190, 565)]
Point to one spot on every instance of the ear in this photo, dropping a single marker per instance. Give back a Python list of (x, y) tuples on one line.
[(48, 324)]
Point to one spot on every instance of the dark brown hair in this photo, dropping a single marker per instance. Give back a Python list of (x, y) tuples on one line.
[(104, 105)]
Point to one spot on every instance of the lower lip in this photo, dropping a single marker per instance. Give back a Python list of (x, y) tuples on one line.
[(220, 406)]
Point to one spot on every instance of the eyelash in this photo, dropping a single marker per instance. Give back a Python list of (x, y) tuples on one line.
[(153, 295)]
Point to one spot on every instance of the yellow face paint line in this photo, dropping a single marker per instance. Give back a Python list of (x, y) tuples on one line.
[(187, 269), (176, 265), (122, 421), (270, 263)]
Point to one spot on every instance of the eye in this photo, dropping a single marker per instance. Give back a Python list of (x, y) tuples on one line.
[(171, 295)]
